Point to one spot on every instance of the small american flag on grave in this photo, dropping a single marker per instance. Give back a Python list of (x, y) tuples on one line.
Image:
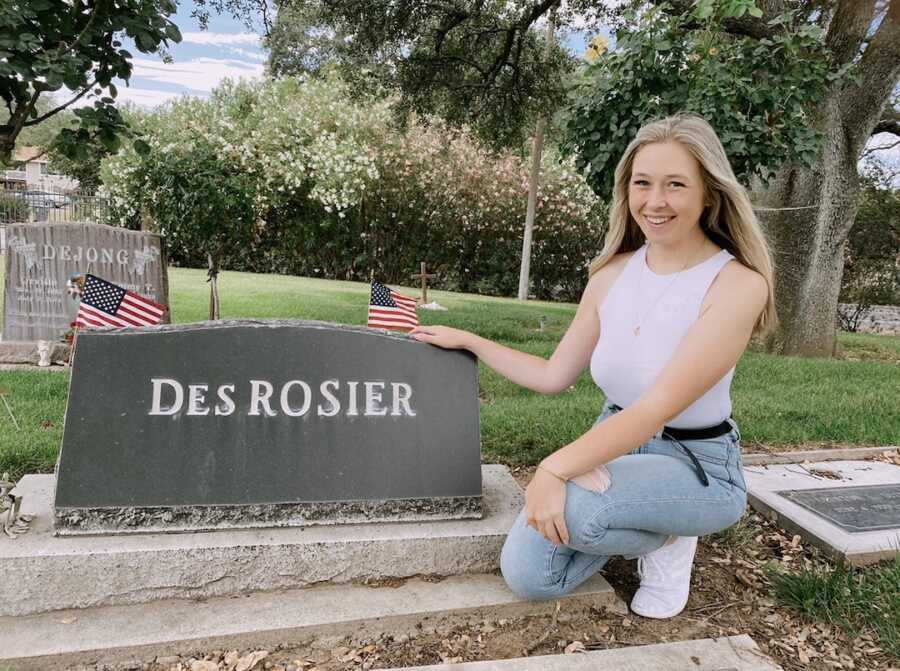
[(390, 310), (106, 304)]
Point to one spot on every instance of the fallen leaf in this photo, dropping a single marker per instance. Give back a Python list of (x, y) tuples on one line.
[(573, 647), (247, 662), (204, 665)]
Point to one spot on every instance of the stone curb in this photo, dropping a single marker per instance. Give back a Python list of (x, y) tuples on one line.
[(117, 634), (734, 653), (837, 454)]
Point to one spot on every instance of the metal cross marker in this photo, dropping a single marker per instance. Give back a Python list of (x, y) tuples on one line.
[(424, 275)]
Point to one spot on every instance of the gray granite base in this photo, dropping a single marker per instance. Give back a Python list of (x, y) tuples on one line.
[(774, 490), (20, 351), (180, 519), (44, 572)]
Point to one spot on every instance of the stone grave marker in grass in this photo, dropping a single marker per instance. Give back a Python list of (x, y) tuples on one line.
[(850, 509), (40, 260)]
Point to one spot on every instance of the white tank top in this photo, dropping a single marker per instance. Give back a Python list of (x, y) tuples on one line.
[(625, 365)]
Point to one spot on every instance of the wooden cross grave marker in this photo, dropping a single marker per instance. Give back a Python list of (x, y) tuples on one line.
[(424, 275)]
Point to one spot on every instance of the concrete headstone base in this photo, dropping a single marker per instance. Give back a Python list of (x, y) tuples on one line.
[(49, 573), (27, 352)]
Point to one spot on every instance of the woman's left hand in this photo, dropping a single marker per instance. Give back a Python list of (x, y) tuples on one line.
[(545, 506)]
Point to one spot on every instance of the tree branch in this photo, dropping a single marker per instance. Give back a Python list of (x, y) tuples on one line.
[(879, 70), (848, 28), (522, 26), (885, 147), (59, 108), (890, 124), (65, 49)]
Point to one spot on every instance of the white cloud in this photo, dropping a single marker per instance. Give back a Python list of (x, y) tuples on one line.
[(145, 97), (219, 39), (246, 53), (198, 75)]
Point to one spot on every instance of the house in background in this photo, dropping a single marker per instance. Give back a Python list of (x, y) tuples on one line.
[(31, 172)]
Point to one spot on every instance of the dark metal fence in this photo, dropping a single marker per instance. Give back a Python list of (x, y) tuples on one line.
[(43, 205)]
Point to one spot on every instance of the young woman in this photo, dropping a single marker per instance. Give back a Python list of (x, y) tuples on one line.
[(683, 281)]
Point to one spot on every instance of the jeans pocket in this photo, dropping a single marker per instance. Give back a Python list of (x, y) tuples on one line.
[(736, 468), (713, 451)]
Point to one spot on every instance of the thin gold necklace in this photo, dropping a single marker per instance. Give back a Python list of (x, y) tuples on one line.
[(638, 321)]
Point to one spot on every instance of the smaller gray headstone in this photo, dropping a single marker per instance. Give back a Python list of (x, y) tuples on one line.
[(40, 259), (265, 423), (854, 509), (850, 509)]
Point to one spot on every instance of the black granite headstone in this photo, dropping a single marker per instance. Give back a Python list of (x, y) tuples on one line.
[(854, 509), (265, 423)]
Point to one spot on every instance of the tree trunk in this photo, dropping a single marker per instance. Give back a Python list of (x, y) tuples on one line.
[(808, 242), (7, 147), (533, 184), (213, 287), (816, 207)]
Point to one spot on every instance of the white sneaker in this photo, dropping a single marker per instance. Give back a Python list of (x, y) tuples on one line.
[(665, 579)]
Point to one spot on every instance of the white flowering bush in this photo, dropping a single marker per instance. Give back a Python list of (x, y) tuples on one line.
[(292, 176)]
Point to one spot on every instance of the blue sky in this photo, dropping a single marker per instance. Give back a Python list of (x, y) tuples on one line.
[(201, 61)]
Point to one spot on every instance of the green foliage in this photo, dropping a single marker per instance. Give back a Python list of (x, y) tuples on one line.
[(725, 9), (858, 601), (46, 45), (329, 188), (755, 92), (201, 200), (872, 254), (483, 65), (13, 209)]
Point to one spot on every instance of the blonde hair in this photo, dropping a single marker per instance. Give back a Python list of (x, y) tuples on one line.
[(728, 221)]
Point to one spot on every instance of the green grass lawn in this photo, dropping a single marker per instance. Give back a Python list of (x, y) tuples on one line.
[(776, 399)]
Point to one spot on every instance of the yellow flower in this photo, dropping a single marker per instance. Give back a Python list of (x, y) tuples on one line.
[(595, 48)]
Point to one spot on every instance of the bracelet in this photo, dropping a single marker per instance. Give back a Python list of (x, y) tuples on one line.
[(541, 467)]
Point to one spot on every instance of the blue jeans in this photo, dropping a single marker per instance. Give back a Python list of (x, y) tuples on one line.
[(655, 493)]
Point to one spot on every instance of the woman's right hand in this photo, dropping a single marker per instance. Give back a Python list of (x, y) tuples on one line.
[(442, 336)]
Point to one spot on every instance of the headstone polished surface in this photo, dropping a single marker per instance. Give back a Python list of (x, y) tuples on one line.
[(40, 259), (854, 509), (265, 423)]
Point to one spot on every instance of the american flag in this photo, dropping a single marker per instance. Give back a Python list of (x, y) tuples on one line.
[(390, 310), (105, 304)]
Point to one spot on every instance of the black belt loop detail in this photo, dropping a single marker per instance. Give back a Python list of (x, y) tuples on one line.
[(700, 472), (672, 434)]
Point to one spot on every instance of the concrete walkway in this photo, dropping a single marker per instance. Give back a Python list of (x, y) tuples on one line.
[(735, 653)]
